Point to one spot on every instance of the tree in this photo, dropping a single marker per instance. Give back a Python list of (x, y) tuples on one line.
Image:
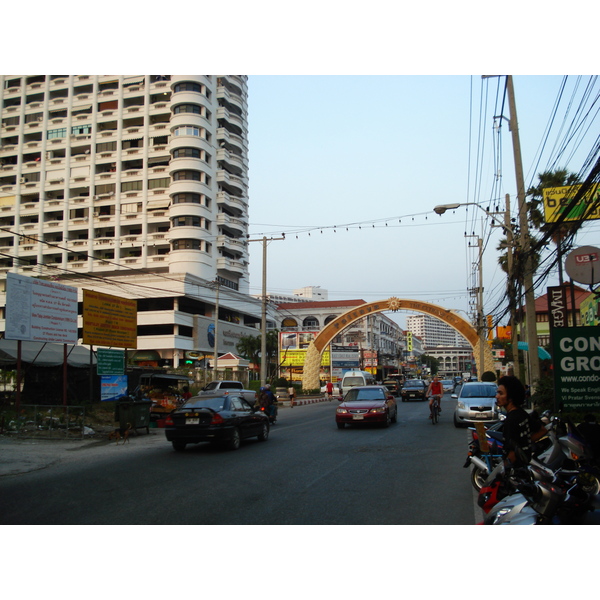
[(249, 347)]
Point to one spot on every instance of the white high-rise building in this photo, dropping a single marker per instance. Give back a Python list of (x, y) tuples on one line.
[(135, 186), (434, 332)]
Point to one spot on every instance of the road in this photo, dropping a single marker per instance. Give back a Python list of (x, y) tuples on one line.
[(308, 472)]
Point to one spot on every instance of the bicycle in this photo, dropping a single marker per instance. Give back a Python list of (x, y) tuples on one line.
[(435, 410)]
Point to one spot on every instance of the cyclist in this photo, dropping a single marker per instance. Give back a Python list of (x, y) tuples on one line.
[(435, 391)]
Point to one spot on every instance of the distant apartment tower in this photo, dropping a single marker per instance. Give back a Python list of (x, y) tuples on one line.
[(129, 177), (434, 332)]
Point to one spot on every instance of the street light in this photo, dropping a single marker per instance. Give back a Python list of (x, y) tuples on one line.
[(510, 234), (442, 208)]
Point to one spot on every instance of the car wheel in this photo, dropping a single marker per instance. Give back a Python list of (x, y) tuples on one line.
[(179, 446), (387, 421), (457, 423), (341, 425), (395, 417), (263, 436), (235, 441)]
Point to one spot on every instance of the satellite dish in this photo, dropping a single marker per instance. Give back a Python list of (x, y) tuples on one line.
[(583, 265)]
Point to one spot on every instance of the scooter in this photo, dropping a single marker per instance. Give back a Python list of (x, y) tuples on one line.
[(271, 412)]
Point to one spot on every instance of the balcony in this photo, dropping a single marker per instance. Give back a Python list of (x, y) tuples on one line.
[(236, 184), (232, 223), (236, 267)]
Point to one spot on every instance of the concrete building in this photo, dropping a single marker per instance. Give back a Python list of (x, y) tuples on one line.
[(134, 186)]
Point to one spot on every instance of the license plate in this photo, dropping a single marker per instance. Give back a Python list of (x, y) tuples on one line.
[(480, 416), (192, 421), (357, 417)]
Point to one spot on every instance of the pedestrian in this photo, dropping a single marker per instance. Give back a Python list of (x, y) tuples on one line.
[(292, 395), (516, 429), (329, 391)]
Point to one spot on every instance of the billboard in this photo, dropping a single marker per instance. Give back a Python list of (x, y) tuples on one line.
[(39, 310), (577, 368), (557, 199), (109, 320)]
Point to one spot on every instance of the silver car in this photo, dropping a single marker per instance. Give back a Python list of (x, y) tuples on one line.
[(476, 401)]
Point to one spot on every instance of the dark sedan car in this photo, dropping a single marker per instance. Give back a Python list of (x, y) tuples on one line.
[(367, 404), (413, 389), (225, 419)]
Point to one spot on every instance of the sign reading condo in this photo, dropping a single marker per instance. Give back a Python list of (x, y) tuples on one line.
[(40, 311), (109, 320)]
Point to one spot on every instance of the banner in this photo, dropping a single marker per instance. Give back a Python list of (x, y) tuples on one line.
[(557, 307)]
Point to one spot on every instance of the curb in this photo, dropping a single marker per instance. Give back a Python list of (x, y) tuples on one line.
[(304, 402)]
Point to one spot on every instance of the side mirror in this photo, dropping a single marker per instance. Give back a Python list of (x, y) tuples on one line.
[(455, 396)]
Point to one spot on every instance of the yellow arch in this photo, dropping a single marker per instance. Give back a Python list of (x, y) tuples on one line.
[(310, 374)]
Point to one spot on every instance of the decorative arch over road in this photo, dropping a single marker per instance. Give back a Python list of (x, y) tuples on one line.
[(310, 374)]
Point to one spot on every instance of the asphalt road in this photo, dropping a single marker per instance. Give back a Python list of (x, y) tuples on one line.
[(308, 472)]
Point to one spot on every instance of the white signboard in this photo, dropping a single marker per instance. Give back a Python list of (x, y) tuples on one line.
[(40, 311)]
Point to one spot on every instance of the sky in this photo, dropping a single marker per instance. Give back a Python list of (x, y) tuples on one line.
[(350, 168)]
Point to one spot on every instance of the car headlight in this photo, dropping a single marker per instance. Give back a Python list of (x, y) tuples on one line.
[(379, 409), (341, 411), (460, 405)]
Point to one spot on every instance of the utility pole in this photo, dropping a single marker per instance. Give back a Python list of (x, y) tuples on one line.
[(480, 320), (511, 287), (263, 322), (530, 318), (216, 357)]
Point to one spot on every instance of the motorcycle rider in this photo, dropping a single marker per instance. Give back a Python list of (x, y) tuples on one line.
[(435, 391), (516, 430), (270, 403)]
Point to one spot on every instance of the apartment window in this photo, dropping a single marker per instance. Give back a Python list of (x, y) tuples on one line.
[(81, 130), (188, 86), (163, 182), (188, 175), (56, 133), (186, 153), (187, 244), (190, 198), (106, 147), (187, 108), (187, 221), (131, 186), (190, 130)]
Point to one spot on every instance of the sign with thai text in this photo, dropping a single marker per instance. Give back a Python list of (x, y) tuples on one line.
[(39, 310), (558, 199), (109, 320)]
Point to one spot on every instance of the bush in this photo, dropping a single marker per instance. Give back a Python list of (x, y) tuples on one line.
[(488, 376)]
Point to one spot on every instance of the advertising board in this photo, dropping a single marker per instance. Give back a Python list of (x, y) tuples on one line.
[(576, 354), (109, 320), (558, 199), (39, 310)]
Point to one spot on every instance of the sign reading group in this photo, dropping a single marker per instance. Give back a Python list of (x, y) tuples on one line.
[(577, 367)]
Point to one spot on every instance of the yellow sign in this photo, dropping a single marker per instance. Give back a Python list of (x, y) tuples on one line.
[(296, 358), (409, 341), (557, 199), (109, 320)]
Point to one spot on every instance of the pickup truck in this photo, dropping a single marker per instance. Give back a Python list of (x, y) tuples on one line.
[(223, 387)]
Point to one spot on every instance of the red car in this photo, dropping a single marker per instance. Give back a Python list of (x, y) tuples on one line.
[(367, 404)]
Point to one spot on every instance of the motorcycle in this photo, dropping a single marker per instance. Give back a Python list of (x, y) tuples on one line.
[(565, 498), (271, 412)]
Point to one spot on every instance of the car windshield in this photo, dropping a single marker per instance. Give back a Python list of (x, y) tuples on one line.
[(414, 383), (353, 381), (478, 391), (212, 403), (360, 395)]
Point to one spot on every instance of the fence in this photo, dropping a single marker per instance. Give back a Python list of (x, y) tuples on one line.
[(46, 422)]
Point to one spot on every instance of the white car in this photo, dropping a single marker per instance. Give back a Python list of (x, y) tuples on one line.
[(448, 385)]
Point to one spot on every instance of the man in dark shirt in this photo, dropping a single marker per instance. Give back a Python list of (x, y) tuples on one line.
[(516, 431)]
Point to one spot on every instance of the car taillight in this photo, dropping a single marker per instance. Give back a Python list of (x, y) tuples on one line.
[(169, 420), (217, 419)]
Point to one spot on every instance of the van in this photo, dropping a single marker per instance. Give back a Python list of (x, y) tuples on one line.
[(354, 378)]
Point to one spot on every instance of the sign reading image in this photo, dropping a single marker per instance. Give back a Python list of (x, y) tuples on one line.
[(577, 368)]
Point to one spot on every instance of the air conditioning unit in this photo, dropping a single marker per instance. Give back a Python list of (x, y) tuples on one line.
[(22, 180)]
